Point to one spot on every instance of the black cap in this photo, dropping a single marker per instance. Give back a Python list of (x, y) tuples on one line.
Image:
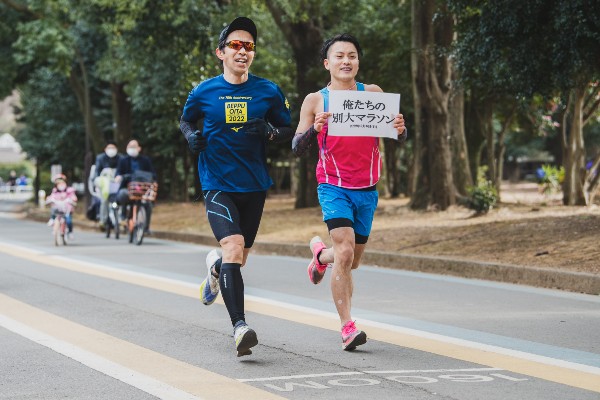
[(238, 24)]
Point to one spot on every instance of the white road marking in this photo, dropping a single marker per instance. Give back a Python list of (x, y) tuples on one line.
[(427, 371), (107, 367), (407, 371), (281, 378), (441, 338)]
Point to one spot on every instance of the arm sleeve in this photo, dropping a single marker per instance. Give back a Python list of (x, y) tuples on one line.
[(303, 141), (191, 113), (187, 128), (284, 134)]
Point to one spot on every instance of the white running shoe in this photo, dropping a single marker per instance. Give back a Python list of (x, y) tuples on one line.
[(245, 338), (209, 288)]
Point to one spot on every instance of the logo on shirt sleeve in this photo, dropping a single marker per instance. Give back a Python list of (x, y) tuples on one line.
[(236, 112)]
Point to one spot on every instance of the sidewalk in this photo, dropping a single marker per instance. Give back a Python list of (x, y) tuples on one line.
[(532, 276)]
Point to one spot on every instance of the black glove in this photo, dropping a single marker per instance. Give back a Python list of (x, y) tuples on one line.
[(197, 142), (260, 127)]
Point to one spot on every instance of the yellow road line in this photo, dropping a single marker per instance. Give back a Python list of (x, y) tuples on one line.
[(159, 368), (485, 356)]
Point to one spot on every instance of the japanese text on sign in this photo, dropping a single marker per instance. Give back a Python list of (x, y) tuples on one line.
[(361, 113)]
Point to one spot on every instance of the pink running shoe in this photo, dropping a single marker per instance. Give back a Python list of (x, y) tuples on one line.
[(352, 337), (316, 270)]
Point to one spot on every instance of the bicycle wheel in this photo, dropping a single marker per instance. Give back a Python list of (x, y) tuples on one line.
[(56, 231), (63, 231), (140, 225), (131, 223), (107, 227), (114, 219)]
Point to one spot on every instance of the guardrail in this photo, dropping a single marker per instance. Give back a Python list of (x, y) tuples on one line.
[(15, 189)]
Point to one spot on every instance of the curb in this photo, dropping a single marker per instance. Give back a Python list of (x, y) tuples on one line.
[(533, 276)]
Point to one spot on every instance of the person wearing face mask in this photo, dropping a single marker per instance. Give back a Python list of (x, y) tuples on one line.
[(105, 168), (134, 166), (64, 197), (109, 158)]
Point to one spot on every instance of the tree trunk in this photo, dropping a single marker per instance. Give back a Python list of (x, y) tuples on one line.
[(80, 87), (574, 161), (463, 178), (391, 158), (434, 184), (122, 114), (186, 171), (305, 38), (474, 132), (487, 129), (93, 138), (36, 183), (501, 148), (197, 184)]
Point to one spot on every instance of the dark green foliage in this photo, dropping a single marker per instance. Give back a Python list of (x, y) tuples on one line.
[(53, 132), (482, 197), (528, 47)]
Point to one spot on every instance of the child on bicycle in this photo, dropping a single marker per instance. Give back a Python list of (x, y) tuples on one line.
[(62, 198)]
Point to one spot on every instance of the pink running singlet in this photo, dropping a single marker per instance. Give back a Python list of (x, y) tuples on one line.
[(350, 162)]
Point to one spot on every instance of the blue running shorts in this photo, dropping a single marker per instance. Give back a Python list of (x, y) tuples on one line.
[(358, 206)]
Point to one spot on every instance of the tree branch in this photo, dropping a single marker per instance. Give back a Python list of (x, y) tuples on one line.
[(21, 8)]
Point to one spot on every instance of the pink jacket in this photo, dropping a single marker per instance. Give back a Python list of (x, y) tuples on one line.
[(68, 197)]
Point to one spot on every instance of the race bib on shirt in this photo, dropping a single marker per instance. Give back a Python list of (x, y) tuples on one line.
[(236, 112)]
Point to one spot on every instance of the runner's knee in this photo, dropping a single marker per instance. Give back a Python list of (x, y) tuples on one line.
[(344, 254), (233, 248)]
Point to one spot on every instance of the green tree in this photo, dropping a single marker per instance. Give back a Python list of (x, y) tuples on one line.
[(50, 134), (544, 47), (157, 52)]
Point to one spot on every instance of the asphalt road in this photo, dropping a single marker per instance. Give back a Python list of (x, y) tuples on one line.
[(104, 319)]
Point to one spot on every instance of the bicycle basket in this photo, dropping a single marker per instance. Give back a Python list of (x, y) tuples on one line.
[(142, 190)]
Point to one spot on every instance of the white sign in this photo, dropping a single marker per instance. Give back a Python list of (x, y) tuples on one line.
[(362, 113)]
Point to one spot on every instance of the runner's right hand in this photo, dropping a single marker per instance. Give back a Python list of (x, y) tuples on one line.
[(196, 142)]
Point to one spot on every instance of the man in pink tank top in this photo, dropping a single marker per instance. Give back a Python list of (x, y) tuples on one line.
[(347, 172)]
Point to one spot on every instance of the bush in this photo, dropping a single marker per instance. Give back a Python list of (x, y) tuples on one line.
[(483, 197)]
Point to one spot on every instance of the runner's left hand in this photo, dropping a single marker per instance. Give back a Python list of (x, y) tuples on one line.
[(259, 127), (399, 125)]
